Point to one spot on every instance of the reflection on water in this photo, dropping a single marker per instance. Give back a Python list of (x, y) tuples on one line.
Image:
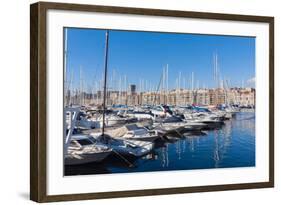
[(231, 146)]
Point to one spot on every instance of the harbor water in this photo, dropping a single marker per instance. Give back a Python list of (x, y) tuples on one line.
[(233, 145)]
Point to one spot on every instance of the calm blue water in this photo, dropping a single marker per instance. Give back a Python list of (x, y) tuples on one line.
[(231, 146)]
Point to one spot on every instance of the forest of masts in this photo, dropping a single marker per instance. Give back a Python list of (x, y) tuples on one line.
[(121, 91)]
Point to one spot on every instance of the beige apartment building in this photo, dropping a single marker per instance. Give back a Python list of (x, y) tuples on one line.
[(240, 96)]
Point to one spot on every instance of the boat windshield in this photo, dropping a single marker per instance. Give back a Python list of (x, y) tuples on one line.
[(84, 142)]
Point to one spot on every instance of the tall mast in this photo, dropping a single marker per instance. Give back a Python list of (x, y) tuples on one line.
[(70, 88), (216, 77), (163, 85), (184, 91), (179, 80), (126, 90), (120, 90), (65, 65), (81, 87), (179, 89), (167, 83), (105, 78), (192, 87), (192, 81), (216, 71)]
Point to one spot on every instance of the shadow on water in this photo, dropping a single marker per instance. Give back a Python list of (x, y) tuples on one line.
[(93, 168), (114, 160)]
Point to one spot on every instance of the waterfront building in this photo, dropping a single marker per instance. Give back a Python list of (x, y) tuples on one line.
[(179, 97)]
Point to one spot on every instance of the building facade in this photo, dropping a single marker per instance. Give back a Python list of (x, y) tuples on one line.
[(180, 97)]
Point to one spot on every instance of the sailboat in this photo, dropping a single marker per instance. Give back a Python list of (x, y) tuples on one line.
[(127, 145)]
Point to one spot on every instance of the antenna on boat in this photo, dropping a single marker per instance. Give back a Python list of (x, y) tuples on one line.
[(105, 78)]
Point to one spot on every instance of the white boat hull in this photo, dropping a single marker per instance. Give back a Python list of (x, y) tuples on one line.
[(85, 158)]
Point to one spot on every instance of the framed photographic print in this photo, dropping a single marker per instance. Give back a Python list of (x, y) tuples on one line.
[(134, 102)]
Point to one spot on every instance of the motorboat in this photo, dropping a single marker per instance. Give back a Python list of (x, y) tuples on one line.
[(133, 132), (124, 147), (83, 150)]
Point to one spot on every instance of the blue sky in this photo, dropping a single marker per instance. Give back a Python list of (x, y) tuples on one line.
[(142, 55)]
